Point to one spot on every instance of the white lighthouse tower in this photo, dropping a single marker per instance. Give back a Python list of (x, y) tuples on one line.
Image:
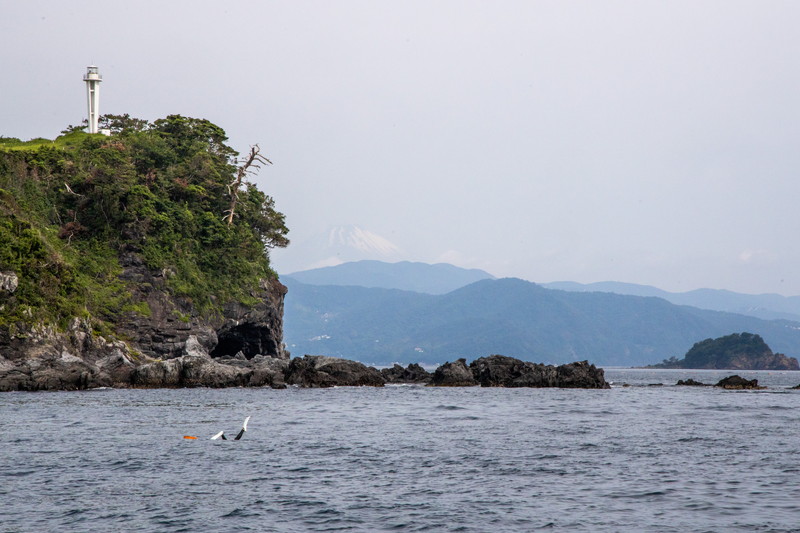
[(93, 79)]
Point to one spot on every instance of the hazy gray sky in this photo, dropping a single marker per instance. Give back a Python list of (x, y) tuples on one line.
[(646, 142)]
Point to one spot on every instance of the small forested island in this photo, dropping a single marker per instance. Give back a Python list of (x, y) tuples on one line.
[(738, 351)]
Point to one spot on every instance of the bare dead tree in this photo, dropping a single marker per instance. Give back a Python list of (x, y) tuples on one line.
[(69, 190), (252, 163)]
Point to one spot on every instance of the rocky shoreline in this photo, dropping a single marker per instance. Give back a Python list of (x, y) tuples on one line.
[(173, 347), (734, 382), (196, 368)]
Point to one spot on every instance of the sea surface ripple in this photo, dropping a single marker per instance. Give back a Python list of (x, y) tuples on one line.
[(648, 456)]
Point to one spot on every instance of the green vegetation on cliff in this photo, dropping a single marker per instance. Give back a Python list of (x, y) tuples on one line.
[(72, 207)]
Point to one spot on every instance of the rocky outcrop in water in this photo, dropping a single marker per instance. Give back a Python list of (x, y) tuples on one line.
[(413, 373), (503, 371), (455, 374), (690, 383), (738, 383), (322, 371)]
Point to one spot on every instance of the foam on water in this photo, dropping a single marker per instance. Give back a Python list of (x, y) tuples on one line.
[(407, 458)]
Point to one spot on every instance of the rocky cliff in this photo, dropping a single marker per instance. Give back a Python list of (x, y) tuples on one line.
[(255, 329), (173, 347), (139, 259)]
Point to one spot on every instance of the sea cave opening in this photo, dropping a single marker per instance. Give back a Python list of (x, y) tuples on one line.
[(249, 339)]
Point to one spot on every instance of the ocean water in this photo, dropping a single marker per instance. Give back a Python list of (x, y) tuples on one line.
[(639, 457)]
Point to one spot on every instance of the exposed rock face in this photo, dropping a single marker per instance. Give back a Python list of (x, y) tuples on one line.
[(322, 371), (8, 282), (252, 330), (43, 359), (736, 383), (502, 371), (775, 361), (455, 374), (193, 371), (168, 348), (580, 374), (197, 369), (51, 364), (413, 373)]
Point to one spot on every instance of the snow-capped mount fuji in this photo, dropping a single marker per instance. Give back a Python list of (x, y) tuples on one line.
[(337, 245), (353, 239)]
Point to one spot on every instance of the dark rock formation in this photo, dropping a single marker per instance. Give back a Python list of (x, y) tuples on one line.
[(454, 374), (203, 371), (168, 347), (580, 374), (737, 383), (42, 358), (49, 372), (413, 373), (691, 383), (322, 371), (253, 330), (502, 371)]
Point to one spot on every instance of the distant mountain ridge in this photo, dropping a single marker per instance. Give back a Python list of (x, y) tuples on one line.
[(764, 306), (505, 316), (439, 278), (442, 278)]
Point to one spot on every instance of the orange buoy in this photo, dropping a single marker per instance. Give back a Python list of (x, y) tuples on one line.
[(189, 437)]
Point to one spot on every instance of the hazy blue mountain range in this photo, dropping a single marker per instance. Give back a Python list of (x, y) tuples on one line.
[(766, 306), (506, 316), (440, 278)]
